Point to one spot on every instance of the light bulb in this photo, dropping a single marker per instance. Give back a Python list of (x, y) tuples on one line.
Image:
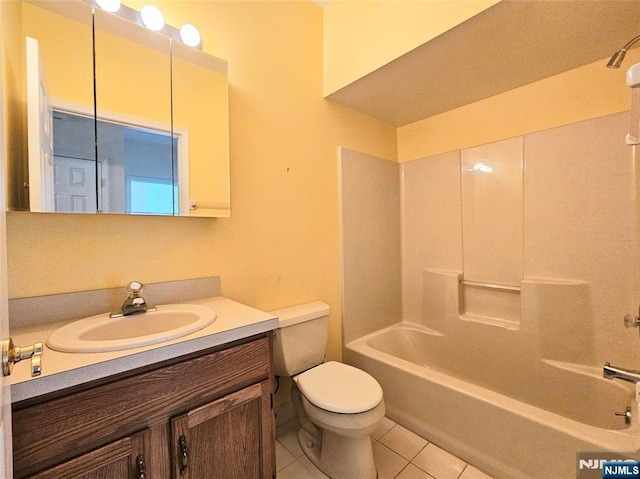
[(110, 6), (152, 17), (190, 35)]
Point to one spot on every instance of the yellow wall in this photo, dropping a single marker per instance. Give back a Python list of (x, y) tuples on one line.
[(361, 36), (280, 247), (580, 94), (11, 75)]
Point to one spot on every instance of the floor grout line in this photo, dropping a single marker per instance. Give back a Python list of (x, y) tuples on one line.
[(402, 443)]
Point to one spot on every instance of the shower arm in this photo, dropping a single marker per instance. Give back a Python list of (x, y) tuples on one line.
[(633, 81), (617, 57)]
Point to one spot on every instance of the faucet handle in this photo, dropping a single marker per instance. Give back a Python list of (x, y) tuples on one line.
[(135, 288), (631, 321)]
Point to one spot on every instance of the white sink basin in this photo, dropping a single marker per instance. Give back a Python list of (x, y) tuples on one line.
[(101, 333)]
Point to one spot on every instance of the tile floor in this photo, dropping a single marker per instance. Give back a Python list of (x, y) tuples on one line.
[(398, 454)]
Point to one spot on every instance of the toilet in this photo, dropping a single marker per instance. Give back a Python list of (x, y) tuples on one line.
[(338, 406)]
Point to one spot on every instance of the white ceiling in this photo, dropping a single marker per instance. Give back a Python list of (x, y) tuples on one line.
[(509, 45)]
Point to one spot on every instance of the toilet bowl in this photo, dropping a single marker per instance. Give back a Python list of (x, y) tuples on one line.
[(343, 447), (338, 405)]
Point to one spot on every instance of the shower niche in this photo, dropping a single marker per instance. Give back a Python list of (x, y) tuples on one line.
[(490, 303)]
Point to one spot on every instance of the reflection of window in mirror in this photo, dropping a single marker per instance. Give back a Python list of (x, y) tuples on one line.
[(151, 196), (137, 171)]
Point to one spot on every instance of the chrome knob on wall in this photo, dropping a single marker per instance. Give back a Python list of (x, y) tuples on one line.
[(631, 321)]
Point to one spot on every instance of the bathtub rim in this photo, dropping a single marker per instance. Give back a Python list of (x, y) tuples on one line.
[(605, 439)]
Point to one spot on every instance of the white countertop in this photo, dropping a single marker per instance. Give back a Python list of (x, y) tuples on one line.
[(234, 321)]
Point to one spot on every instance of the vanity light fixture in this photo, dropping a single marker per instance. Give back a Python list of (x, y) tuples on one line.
[(152, 17), (110, 6), (190, 35)]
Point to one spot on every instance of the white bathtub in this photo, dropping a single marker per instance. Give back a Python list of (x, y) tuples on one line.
[(511, 422)]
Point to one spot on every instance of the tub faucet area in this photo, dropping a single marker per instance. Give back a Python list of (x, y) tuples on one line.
[(629, 375), (134, 303)]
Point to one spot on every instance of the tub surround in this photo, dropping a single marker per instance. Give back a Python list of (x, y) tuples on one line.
[(370, 210), (579, 226), (506, 374), (234, 322)]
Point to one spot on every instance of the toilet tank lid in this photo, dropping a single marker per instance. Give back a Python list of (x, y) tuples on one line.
[(302, 312)]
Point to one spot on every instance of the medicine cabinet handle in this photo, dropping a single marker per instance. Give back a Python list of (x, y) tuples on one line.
[(184, 457), (12, 354)]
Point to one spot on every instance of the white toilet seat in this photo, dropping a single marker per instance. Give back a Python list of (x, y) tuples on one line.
[(340, 388)]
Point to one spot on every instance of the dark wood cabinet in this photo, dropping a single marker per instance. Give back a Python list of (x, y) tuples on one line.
[(207, 441), (121, 459), (205, 416)]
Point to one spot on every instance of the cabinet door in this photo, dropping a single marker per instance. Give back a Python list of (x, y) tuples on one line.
[(230, 438), (122, 459)]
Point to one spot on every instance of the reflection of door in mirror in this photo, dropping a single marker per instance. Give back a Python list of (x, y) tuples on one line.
[(40, 131), (75, 185), (135, 173)]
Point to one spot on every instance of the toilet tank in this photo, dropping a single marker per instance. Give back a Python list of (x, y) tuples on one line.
[(300, 341)]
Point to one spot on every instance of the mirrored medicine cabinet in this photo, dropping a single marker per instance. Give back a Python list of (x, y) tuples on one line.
[(121, 119)]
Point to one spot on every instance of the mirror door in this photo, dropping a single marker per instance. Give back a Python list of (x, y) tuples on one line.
[(40, 132), (59, 62), (135, 140)]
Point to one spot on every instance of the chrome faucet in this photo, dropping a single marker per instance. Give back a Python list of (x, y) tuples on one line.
[(612, 372), (134, 303)]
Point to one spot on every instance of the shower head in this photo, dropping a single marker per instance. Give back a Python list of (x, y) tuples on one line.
[(618, 56), (616, 59)]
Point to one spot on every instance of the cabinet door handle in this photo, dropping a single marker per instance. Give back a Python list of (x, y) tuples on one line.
[(184, 456), (141, 467)]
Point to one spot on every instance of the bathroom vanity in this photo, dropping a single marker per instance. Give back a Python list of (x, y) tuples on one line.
[(198, 406)]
